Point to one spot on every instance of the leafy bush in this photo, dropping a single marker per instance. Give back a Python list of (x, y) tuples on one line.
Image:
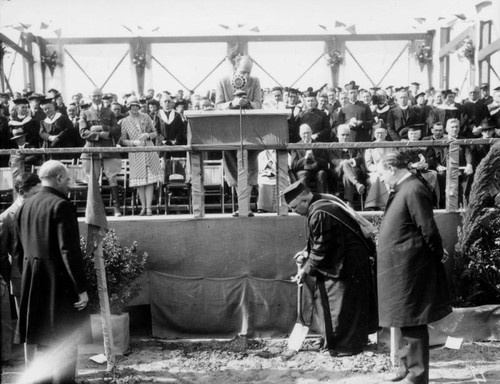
[(478, 262), (123, 266)]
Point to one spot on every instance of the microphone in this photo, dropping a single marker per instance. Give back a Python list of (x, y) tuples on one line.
[(238, 81)]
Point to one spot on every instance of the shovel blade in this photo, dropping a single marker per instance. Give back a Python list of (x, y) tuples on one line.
[(297, 337)]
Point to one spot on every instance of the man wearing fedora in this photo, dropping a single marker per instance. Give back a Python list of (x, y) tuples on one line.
[(35, 111), (99, 128), (20, 162)]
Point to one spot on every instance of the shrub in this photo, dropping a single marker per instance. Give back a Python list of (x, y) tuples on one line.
[(477, 262), (123, 266)]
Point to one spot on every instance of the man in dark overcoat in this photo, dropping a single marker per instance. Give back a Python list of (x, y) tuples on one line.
[(53, 285), (411, 281), (336, 269)]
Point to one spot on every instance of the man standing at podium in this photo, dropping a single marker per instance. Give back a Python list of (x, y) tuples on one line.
[(240, 91)]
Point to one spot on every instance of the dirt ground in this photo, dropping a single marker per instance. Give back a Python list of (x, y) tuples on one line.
[(260, 361)]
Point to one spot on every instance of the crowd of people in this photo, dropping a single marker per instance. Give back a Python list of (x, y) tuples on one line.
[(337, 262), (328, 114)]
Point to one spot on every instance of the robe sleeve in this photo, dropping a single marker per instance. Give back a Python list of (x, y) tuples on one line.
[(69, 244)]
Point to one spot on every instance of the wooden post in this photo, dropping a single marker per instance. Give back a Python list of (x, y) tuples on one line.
[(281, 180), (430, 65), (31, 70), (452, 174), (444, 62), (197, 188), (244, 190)]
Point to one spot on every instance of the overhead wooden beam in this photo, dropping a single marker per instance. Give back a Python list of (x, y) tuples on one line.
[(452, 45), (28, 56), (489, 50), (225, 39)]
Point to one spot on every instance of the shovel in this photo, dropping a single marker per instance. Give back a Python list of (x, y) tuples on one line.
[(300, 330)]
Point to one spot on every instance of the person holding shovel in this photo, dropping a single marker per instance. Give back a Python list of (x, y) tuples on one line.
[(336, 269)]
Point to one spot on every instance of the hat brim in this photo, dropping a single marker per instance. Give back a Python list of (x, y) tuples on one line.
[(19, 136)]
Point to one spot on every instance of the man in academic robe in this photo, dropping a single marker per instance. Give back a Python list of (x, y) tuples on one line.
[(474, 111), (356, 115), (314, 118), (335, 270), (401, 116), (56, 131), (23, 121)]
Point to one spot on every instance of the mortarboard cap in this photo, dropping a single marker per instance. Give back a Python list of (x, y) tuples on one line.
[(46, 100), (293, 191), (21, 101)]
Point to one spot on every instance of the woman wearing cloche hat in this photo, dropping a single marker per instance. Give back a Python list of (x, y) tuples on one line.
[(145, 170)]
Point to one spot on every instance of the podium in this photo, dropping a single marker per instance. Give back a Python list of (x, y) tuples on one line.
[(240, 131)]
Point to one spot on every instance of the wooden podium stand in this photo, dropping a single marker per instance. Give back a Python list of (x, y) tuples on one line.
[(240, 131)]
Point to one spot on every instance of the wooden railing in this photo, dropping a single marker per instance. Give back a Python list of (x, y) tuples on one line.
[(452, 173)]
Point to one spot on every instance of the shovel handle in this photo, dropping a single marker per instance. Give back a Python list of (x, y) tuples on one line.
[(299, 303)]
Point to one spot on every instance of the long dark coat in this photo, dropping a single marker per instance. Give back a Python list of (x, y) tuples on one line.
[(52, 265), (412, 287)]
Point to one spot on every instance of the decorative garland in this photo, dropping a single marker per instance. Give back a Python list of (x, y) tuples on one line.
[(334, 58), (139, 59), (424, 54), (466, 51), (50, 59)]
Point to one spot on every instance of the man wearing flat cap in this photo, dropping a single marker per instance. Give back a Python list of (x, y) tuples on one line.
[(486, 98), (335, 268)]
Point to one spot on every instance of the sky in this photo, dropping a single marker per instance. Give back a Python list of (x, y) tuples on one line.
[(190, 63)]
